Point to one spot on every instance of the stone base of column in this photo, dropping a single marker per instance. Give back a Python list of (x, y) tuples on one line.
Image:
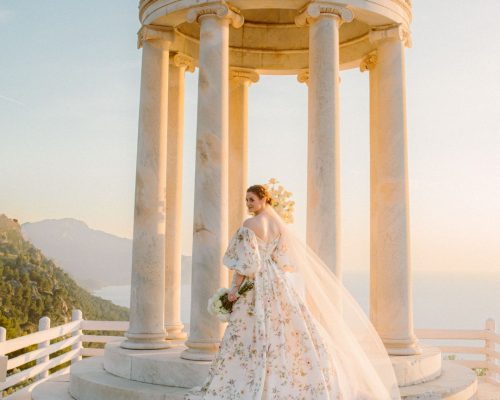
[(418, 368), (402, 347), (161, 367), (175, 331), (200, 351), (145, 341)]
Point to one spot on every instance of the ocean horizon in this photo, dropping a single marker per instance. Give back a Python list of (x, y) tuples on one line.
[(441, 299)]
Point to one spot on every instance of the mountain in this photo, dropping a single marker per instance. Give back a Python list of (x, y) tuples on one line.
[(32, 286), (93, 258)]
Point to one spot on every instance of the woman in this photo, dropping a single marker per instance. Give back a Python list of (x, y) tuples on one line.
[(298, 334)]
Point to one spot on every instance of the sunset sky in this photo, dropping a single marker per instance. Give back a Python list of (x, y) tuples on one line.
[(69, 96)]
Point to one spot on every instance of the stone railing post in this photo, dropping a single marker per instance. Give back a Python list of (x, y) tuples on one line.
[(489, 346), (43, 325), (76, 315), (3, 358)]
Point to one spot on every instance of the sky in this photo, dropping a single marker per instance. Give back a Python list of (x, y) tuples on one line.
[(69, 97)]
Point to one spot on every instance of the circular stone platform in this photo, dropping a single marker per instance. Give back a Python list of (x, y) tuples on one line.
[(89, 381), (165, 367)]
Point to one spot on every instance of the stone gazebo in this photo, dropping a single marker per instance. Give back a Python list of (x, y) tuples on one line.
[(232, 43)]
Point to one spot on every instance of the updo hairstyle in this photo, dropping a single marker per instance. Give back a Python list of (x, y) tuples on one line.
[(261, 192)]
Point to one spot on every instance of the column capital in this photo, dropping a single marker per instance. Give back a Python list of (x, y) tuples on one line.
[(303, 76), (164, 35), (395, 32), (182, 60), (368, 62), (221, 10), (242, 74), (317, 9)]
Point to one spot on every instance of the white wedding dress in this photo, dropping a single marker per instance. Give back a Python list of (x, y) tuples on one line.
[(274, 347)]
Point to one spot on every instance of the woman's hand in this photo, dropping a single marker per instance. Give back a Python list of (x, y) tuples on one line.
[(233, 294), (235, 286)]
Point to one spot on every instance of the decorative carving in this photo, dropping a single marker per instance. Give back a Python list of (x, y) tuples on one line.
[(406, 5), (407, 38), (317, 9), (368, 62), (303, 76), (221, 10), (164, 34), (183, 60), (392, 32), (243, 74)]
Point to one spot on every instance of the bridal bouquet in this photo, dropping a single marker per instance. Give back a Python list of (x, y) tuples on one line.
[(220, 306), (280, 199)]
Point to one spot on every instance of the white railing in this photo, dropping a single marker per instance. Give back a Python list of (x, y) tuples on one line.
[(22, 372), (485, 358), (75, 343)]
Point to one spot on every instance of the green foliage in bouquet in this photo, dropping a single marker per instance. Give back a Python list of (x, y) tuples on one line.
[(219, 304)]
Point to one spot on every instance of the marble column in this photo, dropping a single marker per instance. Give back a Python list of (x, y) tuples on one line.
[(179, 64), (146, 330), (210, 217), (391, 309), (239, 82), (323, 153)]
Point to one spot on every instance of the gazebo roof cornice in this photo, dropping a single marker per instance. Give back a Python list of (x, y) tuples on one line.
[(269, 41)]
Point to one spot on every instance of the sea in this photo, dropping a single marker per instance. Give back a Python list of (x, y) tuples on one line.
[(441, 299)]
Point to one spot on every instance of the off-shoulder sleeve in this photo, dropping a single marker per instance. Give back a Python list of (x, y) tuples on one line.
[(242, 253)]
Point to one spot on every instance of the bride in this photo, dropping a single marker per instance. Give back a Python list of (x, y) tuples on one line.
[(298, 334)]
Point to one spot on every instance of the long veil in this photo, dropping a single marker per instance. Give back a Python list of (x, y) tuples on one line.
[(365, 371)]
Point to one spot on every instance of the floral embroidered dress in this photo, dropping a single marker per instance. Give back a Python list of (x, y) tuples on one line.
[(272, 347)]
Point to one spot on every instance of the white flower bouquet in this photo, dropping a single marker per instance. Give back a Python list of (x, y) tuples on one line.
[(219, 304)]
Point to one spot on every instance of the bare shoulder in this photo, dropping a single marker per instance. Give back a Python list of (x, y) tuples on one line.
[(261, 227), (255, 224), (250, 223)]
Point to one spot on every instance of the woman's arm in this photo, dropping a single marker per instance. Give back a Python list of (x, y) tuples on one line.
[(235, 286)]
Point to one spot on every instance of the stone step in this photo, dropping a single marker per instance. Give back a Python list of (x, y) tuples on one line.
[(89, 381), (53, 389), (456, 382), (487, 390)]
